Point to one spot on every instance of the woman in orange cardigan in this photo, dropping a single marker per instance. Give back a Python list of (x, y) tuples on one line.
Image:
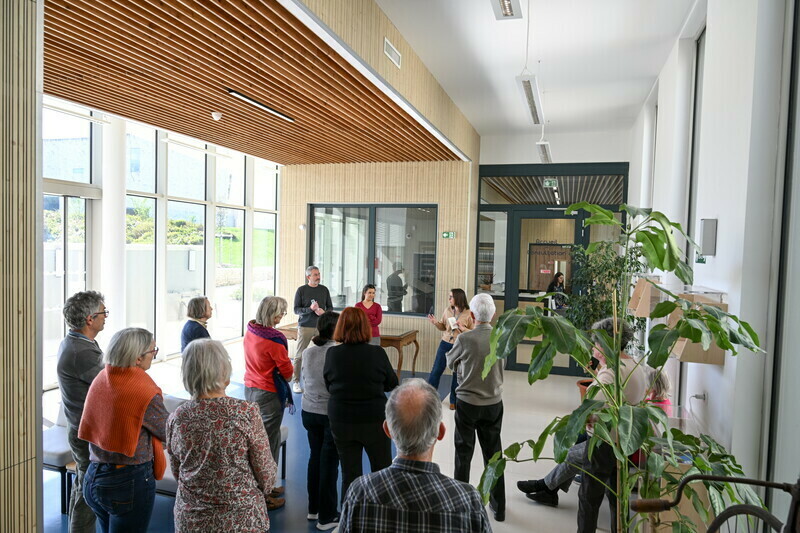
[(266, 370), (124, 421)]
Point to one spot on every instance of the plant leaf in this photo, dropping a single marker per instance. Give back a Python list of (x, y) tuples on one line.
[(540, 442), (663, 309), (636, 211), (632, 428), (506, 335), (541, 361), (491, 474), (567, 434), (661, 340), (560, 332), (684, 272)]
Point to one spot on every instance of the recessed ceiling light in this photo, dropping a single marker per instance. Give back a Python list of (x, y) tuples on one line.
[(506, 9), (259, 105)]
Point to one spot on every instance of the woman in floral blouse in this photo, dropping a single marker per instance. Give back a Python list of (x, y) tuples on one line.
[(218, 449)]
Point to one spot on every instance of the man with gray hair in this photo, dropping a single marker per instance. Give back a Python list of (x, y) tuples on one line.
[(480, 404), (310, 302), (80, 359), (412, 494)]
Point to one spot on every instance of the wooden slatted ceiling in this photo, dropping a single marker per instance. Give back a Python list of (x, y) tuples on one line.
[(169, 63), (529, 190)]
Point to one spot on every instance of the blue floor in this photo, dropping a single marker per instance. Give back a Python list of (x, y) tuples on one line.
[(290, 518)]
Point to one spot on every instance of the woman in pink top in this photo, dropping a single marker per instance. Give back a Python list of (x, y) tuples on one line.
[(373, 311)]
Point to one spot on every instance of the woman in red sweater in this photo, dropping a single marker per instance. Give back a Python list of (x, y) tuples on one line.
[(373, 311), (267, 369)]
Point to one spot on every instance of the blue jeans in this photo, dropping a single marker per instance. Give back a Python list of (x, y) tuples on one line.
[(122, 498), (439, 364)]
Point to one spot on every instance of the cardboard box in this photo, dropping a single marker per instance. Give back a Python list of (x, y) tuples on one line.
[(658, 521), (692, 352)]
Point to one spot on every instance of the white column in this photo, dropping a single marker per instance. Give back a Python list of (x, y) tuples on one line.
[(112, 225)]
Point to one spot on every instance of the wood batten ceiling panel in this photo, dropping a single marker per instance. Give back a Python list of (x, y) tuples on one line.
[(530, 190), (169, 63)]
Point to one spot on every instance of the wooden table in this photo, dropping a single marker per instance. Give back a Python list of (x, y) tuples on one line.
[(390, 338), (399, 339)]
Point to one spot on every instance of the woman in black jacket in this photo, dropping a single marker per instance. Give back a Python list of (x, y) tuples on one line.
[(357, 375)]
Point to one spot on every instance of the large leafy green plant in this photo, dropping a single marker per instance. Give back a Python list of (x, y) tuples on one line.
[(616, 423)]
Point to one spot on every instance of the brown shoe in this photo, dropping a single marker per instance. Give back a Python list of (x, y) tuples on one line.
[(452, 407), (275, 503), (277, 491)]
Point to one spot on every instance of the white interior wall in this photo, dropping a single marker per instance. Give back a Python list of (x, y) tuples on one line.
[(737, 168), (641, 163), (578, 147)]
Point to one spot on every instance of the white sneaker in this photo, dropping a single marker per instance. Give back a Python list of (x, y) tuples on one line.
[(312, 516), (328, 526), (297, 388)]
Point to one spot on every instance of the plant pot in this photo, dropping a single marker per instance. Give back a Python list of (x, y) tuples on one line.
[(583, 384)]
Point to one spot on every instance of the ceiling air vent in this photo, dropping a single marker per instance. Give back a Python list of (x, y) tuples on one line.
[(391, 52)]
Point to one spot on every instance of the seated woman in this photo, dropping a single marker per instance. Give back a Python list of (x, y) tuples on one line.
[(124, 421), (323, 461), (197, 312), (266, 369), (218, 450)]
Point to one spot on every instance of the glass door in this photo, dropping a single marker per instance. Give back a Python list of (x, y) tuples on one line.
[(541, 252)]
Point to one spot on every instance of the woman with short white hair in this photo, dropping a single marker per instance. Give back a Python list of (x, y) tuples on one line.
[(218, 449), (266, 370), (124, 421)]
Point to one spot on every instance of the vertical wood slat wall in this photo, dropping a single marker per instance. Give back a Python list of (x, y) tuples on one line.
[(441, 183), (19, 427)]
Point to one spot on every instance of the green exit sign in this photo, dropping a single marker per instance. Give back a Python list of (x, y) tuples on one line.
[(448, 235), (551, 183)]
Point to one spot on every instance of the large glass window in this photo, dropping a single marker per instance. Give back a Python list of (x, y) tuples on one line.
[(400, 259), (140, 262), (140, 145), (229, 275), (66, 144), (185, 267), (186, 168), (340, 251), (405, 258), (263, 270), (230, 177), (265, 181), (64, 247)]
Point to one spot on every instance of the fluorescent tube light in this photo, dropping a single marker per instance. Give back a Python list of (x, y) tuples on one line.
[(545, 155), (506, 9), (259, 105), (533, 100), (90, 118)]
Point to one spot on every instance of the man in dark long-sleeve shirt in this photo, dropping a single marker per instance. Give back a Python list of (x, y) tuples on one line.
[(310, 302), (412, 494), (79, 361)]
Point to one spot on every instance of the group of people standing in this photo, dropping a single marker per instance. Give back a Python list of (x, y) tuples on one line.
[(223, 451)]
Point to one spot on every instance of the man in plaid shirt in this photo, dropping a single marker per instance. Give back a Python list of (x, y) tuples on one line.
[(412, 495)]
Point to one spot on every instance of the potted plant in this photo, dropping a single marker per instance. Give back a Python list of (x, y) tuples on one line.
[(627, 428)]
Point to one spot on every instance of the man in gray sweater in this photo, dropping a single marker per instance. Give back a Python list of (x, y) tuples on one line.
[(480, 403), (310, 302), (80, 359)]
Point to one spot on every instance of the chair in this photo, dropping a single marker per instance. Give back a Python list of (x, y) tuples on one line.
[(57, 454)]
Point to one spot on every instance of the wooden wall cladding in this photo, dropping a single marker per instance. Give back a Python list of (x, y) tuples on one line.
[(19, 427), (444, 184), (363, 25), (168, 63)]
